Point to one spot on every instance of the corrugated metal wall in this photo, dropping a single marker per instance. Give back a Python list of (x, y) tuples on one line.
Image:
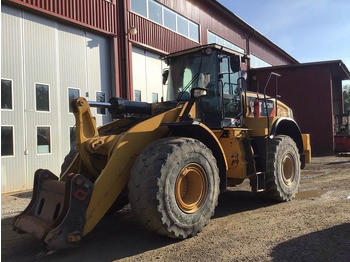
[(308, 91), (97, 14), (39, 50), (40, 67), (13, 173), (158, 37), (266, 53), (210, 18)]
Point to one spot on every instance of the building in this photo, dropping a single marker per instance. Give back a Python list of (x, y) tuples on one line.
[(56, 50), (314, 92)]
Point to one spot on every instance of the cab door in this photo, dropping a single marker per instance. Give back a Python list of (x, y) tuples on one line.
[(231, 93)]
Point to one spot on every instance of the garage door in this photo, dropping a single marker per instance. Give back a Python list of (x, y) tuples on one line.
[(44, 65), (147, 70)]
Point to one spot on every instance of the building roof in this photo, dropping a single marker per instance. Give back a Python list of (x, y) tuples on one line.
[(337, 68), (253, 31)]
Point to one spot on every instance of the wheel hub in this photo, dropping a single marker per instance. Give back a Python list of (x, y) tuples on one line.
[(191, 188), (288, 169)]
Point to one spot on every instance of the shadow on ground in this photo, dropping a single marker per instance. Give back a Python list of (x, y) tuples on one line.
[(27, 194), (338, 163), (115, 237), (232, 202), (332, 244)]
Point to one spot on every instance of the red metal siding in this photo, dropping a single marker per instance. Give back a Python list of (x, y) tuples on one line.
[(210, 18), (98, 15), (264, 52), (308, 91), (157, 36)]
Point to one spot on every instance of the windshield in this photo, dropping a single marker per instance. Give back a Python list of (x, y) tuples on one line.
[(190, 71)]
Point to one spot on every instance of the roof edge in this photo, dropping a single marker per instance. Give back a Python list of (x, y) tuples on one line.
[(338, 62)]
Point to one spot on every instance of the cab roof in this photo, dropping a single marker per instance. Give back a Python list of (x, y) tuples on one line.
[(202, 47)]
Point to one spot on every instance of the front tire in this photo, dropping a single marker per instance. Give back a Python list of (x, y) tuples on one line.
[(174, 187), (283, 169)]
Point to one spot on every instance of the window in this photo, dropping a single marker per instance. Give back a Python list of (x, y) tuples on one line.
[(154, 97), (101, 97), (72, 135), (155, 12), (137, 95), (72, 94), (164, 16), (213, 38), (193, 31), (182, 25), (139, 7), (256, 62), (43, 140), (7, 148), (228, 80), (42, 97), (6, 94), (169, 19)]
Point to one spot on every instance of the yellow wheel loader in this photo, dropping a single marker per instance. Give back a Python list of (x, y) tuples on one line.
[(172, 158)]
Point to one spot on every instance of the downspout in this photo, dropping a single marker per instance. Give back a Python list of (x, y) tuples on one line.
[(248, 47), (248, 56), (128, 94), (115, 57), (123, 49)]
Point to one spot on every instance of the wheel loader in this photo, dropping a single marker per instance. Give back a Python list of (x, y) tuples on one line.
[(171, 159)]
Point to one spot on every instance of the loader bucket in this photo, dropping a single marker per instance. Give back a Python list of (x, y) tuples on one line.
[(56, 213)]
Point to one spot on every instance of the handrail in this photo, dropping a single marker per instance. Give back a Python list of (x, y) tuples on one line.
[(268, 116), (265, 99)]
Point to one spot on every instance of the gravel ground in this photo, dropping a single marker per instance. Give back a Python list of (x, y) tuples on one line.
[(313, 227)]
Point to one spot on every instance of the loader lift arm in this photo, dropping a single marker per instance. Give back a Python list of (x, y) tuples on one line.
[(61, 212)]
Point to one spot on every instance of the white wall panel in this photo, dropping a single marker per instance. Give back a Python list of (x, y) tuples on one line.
[(13, 169), (154, 75), (139, 76), (72, 72), (41, 66), (99, 71), (36, 49), (147, 71)]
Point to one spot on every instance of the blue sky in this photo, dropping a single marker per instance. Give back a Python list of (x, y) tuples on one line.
[(309, 30)]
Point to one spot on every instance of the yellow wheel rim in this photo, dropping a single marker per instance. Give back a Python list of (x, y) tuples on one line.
[(191, 188), (288, 170)]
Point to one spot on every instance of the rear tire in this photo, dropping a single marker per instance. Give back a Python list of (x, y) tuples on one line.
[(283, 169), (174, 187)]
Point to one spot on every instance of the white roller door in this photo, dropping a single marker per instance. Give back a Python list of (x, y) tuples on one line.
[(147, 68), (43, 64)]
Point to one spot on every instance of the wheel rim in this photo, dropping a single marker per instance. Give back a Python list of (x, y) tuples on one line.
[(191, 188), (288, 169)]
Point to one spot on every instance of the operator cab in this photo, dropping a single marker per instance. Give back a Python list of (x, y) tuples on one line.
[(216, 69)]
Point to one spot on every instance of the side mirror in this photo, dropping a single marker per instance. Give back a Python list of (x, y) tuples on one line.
[(235, 63), (165, 76), (198, 92)]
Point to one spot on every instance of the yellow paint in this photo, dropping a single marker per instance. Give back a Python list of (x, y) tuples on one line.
[(258, 126), (115, 175), (214, 135), (234, 152), (307, 147)]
